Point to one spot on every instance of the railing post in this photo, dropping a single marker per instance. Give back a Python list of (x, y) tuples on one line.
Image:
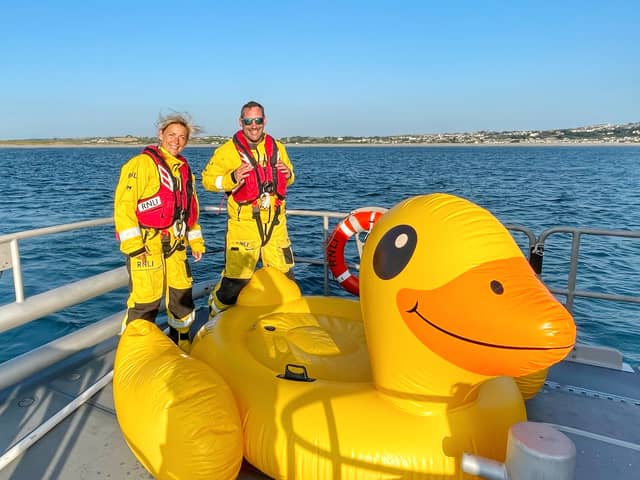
[(325, 236), (573, 270), (17, 270)]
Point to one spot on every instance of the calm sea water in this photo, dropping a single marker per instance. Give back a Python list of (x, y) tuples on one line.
[(538, 187)]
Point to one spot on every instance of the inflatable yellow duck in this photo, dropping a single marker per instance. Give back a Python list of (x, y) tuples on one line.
[(403, 382), (176, 414), (396, 385)]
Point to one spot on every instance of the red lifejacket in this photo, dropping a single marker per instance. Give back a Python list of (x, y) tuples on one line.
[(169, 203), (267, 179)]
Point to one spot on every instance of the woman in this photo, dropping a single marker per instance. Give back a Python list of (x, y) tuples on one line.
[(156, 218)]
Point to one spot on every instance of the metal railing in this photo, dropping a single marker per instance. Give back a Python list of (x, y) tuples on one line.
[(324, 215), (24, 310), (10, 253), (571, 292)]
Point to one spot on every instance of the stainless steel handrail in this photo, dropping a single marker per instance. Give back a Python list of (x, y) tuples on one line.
[(325, 215), (56, 299), (24, 310), (12, 240), (576, 236), (22, 366)]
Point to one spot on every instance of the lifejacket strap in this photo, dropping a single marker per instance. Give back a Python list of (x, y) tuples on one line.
[(276, 220), (137, 252)]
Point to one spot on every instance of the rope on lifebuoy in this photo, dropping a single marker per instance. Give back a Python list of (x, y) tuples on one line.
[(358, 221)]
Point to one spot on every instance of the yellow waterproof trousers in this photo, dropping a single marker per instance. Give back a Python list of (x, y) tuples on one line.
[(151, 276), (243, 248)]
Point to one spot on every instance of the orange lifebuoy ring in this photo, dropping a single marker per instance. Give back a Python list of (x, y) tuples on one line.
[(358, 221)]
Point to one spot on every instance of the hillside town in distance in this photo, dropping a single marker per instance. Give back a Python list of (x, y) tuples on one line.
[(628, 133)]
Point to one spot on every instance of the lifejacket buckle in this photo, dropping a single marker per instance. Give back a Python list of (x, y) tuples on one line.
[(265, 200), (268, 187), (179, 228), (165, 239)]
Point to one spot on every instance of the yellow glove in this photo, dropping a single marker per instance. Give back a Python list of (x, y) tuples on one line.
[(197, 245)]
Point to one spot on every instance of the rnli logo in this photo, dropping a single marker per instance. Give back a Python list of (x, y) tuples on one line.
[(149, 204), (332, 252), (146, 263)]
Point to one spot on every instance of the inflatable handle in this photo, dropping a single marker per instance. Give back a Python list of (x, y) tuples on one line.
[(300, 376)]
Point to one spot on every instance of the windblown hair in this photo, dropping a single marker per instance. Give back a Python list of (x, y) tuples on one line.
[(183, 119)]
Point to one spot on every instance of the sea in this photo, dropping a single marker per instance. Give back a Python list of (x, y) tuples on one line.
[(538, 187)]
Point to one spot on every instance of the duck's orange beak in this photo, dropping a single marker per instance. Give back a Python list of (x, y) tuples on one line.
[(496, 319)]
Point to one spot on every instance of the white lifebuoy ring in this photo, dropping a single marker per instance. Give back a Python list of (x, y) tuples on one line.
[(358, 221)]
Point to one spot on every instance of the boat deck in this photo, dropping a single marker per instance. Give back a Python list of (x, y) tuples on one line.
[(598, 408), (87, 444)]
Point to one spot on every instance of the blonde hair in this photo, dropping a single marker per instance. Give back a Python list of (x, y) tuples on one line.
[(183, 119)]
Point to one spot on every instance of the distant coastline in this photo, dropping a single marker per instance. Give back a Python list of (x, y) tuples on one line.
[(334, 145), (595, 135)]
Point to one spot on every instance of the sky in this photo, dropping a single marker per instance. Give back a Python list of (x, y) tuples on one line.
[(73, 69)]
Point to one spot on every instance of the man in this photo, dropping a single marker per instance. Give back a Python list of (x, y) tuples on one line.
[(156, 217), (254, 170)]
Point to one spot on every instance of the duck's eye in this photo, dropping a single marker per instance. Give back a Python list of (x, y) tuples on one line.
[(497, 287), (394, 250)]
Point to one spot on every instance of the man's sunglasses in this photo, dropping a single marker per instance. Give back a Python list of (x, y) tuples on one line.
[(257, 121)]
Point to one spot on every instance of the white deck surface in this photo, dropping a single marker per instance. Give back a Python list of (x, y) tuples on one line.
[(86, 445), (89, 445)]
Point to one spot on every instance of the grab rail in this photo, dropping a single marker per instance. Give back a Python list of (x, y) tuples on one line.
[(25, 310), (325, 215), (13, 315), (22, 366), (14, 256), (56, 299), (537, 253)]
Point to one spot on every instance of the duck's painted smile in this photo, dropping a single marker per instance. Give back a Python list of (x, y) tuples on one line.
[(471, 340), (494, 319)]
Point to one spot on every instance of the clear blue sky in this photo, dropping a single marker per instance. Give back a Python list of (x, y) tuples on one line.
[(82, 68)]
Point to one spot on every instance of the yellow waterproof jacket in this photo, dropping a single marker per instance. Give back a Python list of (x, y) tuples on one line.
[(139, 178), (217, 176)]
